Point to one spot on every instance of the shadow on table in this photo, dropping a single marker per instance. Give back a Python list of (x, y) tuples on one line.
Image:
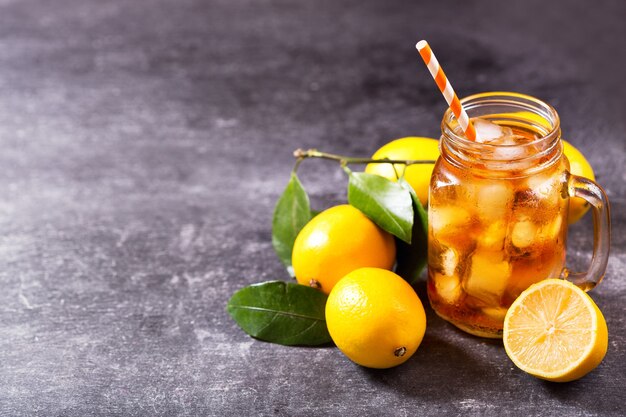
[(452, 366), (445, 362), (449, 364), (596, 392)]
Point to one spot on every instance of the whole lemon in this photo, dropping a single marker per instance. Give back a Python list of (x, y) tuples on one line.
[(337, 241), (578, 166), (409, 148), (375, 318)]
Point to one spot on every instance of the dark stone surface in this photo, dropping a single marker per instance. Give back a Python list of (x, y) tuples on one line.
[(144, 144)]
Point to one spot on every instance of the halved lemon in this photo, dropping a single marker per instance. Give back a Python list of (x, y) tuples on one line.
[(554, 331)]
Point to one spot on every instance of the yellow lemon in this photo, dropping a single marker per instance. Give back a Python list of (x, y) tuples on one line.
[(375, 318), (337, 241), (409, 148), (555, 331), (578, 166)]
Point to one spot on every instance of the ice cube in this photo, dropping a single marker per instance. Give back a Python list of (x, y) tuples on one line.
[(495, 313), (540, 184), (487, 131), (551, 231), (488, 278), (511, 152), (492, 237), (448, 287), (511, 147), (449, 260), (448, 219), (524, 233), (493, 199), (545, 190)]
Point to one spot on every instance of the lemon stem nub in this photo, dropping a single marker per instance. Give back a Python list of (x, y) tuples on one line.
[(399, 352), (315, 284)]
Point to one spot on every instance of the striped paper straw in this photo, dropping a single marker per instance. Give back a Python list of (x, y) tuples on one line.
[(446, 89)]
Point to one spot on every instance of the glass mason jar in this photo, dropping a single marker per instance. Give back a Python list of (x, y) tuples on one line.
[(498, 213)]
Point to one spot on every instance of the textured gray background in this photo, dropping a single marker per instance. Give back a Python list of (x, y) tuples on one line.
[(144, 144)]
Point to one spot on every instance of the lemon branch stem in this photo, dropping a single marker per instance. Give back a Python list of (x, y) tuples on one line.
[(301, 154)]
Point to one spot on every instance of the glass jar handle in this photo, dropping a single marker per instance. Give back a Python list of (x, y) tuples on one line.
[(594, 195)]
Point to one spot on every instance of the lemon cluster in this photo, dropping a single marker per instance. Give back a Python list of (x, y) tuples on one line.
[(553, 330)]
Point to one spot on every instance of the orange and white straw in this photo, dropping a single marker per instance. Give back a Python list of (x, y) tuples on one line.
[(446, 89)]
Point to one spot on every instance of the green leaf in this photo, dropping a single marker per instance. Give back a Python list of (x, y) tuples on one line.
[(385, 202), (281, 312), (292, 212), (411, 259)]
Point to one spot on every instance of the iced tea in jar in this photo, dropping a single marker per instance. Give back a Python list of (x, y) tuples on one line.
[(498, 211)]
